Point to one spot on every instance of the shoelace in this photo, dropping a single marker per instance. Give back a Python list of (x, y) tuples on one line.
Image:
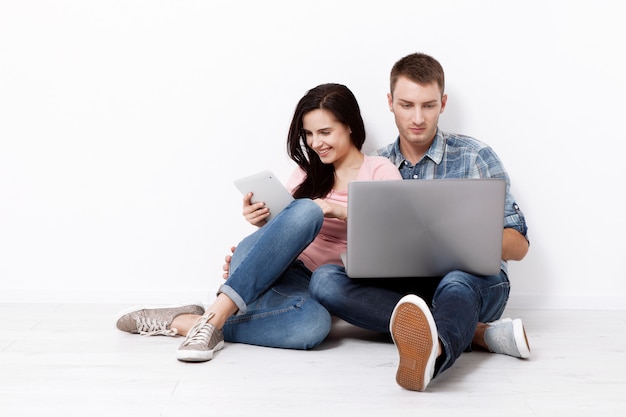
[(151, 327), (201, 332)]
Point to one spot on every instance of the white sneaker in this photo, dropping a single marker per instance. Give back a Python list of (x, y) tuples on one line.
[(508, 337), (414, 332)]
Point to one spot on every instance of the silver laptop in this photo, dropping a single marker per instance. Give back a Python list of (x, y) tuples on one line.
[(424, 228)]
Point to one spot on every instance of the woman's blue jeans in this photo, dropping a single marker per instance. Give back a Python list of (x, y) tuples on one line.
[(458, 302), (271, 287)]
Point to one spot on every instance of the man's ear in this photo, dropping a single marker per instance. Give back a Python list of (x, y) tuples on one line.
[(444, 100), (390, 101)]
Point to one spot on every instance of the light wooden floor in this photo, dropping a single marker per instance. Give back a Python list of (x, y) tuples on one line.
[(69, 360)]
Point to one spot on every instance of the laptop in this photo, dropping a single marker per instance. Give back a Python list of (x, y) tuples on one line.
[(424, 228)]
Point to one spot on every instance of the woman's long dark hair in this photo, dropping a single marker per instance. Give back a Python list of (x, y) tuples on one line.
[(338, 100)]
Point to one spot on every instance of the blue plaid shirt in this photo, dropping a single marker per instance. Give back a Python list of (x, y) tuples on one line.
[(458, 156)]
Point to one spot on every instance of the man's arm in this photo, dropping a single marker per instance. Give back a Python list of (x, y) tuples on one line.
[(514, 245)]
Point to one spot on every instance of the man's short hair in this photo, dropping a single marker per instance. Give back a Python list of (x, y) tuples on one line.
[(420, 68)]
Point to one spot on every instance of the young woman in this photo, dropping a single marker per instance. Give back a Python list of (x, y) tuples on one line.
[(265, 300)]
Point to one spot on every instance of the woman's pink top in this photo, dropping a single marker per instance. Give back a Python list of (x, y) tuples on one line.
[(331, 241)]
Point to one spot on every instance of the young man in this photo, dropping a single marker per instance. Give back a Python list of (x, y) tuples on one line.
[(440, 317)]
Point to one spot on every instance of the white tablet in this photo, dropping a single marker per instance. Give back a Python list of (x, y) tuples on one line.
[(265, 187)]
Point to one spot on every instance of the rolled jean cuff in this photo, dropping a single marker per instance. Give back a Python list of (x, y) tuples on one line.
[(232, 294)]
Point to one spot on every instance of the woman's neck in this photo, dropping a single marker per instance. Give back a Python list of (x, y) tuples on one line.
[(347, 169)]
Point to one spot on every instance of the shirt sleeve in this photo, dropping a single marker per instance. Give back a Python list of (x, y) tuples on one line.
[(489, 165)]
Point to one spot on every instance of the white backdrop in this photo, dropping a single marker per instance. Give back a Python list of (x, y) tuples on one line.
[(123, 124)]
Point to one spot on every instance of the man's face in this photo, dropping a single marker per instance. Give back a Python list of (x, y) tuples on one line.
[(416, 108)]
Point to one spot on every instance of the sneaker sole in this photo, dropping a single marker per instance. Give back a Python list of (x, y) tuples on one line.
[(521, 341), (150, 307), (415, 334), (198, 355)]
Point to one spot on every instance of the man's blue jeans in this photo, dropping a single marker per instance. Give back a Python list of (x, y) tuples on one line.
[(458, 302), (271, 287)]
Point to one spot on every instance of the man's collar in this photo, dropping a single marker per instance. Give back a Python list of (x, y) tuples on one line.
[(435, 152)]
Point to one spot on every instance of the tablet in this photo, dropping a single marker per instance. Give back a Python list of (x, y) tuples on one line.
[(265, 187)]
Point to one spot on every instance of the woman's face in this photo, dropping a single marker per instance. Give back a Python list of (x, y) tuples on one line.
[(326, 136)]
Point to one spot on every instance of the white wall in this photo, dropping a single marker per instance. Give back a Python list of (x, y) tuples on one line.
[(123, 123)]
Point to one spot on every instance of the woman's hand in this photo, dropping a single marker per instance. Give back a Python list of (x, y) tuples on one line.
[(255, 213), (226, 266), (332, 210)]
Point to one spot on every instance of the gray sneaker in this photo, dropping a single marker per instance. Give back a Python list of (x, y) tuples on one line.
[(202, 341), (152, 321), (508, 337)]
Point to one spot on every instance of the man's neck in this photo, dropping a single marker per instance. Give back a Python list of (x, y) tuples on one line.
[(413, 152)]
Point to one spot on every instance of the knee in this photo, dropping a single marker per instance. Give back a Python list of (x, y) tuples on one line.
[(457, 283), (312, 329), (325, 283), (320, 327), (457, 278), (305, 208), (302, 215)]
